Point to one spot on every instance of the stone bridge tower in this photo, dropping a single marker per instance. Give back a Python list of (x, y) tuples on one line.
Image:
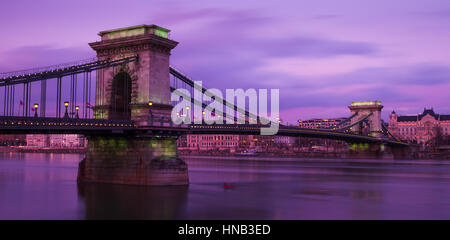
[(123, 92), (364, 109)]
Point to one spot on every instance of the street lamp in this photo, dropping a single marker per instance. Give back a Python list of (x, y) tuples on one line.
[(187, 114), (77, 108), (36, 106), (150, 114), (66, 104)]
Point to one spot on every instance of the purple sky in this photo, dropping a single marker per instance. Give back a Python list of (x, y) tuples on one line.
[(321, 54)]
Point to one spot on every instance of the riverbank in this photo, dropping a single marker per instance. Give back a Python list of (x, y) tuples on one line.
[(24, 149), (224, 154), (268, 159), (320, 155)]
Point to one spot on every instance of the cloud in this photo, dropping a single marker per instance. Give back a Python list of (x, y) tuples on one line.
[(415, 74), (411, 87), (228, 48), (309, 47), (443, 13), (420, 74)]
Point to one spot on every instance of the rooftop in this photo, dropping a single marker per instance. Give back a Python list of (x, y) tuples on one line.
[(418, 117)]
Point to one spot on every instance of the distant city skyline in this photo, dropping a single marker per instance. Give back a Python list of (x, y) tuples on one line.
[(322, 55)]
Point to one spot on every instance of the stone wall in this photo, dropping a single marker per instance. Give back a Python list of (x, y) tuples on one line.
[(149, 75), (133, 160)]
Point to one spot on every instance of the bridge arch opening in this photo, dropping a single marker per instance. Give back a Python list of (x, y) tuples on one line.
[(121, 97)]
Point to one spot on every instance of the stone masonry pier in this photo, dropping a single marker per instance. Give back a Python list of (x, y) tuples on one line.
[(133, 160)]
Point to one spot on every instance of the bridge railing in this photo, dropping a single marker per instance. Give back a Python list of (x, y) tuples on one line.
[(30, 122), (19, 87), (163, 121)]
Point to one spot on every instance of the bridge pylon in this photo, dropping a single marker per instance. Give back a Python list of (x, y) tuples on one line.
[(123, 92), (370, 112), (137, 91)]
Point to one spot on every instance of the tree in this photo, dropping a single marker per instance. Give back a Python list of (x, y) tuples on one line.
[(438, 138)]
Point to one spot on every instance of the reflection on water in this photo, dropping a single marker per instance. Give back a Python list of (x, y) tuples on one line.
[(43, 186), (109, 201)]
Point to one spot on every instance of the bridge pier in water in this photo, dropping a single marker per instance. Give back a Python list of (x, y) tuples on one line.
[(377, 151), (366, 150), (400, 153), (137, 160)]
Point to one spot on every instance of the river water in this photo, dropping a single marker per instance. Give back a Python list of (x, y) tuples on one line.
[(43, 186)]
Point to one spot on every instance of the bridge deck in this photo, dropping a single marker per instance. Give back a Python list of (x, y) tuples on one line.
[(290, 131), (39, 125), (42, 125)]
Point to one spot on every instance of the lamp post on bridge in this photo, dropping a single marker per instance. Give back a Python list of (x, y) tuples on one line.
[(150, 114), (188, 116), (36, 106), (77, 108), (66, 114)]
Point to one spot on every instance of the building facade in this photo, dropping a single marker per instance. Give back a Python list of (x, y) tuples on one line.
[(283, 140), (230, 142), (208, 142), (420, 128), (13, 140), (37, 140), (55, 140)]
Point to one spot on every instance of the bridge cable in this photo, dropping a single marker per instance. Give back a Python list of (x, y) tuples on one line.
[(387, 130), (191, 83), (355, 123), (344, 121), (43, 97)]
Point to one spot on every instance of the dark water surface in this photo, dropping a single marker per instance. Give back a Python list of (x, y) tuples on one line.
[(43, 186)]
